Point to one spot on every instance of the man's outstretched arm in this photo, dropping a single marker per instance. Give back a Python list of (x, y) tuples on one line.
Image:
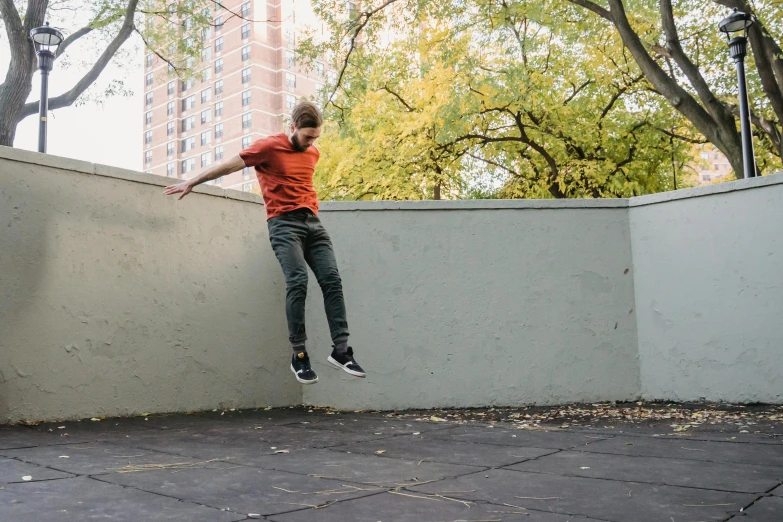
[(221, 169)]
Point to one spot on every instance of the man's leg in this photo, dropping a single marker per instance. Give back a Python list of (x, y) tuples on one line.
[(288, 235), (319, 254)]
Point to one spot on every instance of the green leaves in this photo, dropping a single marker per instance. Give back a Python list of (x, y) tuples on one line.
[(487, 98)]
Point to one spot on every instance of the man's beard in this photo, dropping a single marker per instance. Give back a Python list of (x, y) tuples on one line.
[(298, 147)]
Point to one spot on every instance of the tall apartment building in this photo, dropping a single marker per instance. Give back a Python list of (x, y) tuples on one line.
[(247, 84)]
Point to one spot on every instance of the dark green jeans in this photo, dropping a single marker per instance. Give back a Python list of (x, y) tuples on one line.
[(299, 239)]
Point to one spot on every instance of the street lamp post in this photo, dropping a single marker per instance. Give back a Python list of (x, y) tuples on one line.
[(46, 40), (738, 48)]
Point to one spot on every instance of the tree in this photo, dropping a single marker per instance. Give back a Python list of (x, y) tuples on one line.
[(552, 100), (694, 80), (492, 89), (171, 33)]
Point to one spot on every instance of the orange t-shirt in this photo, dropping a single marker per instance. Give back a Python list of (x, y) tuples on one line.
[(285, 175)]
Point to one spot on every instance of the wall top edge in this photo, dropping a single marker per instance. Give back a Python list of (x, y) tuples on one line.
[(85, 167)]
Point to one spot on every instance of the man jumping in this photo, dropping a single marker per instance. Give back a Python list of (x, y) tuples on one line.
[(284, 164)]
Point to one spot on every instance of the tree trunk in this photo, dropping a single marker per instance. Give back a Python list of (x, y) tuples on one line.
[(18, 81)]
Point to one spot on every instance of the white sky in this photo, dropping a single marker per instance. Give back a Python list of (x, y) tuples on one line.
[(110, 134)]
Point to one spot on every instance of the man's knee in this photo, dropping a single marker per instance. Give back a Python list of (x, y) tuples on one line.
[(296, 281), (330, 280)]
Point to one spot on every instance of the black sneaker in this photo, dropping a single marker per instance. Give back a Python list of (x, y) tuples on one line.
[(346, 362), (300, 365)]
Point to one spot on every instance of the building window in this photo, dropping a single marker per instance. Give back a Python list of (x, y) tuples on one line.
[(319, 69), (170, 128), (206, 159), (245, 98), (188, 165), (247, 120), (218, 87), (245, 31), (218, 44), (219, 153), (245, 53), (188, 144), (319, 90), (206, 137), (189, 102), (290, 101), (246, 171), (187, 84), (246, 75), (147, 156), (206, 74), (218, 21), (218, 131), (206, 95), (149, 79), (247, 187), (219, 66), (246, 141), (218, 109), (170, 170), (150, 60), (206, 116), (170, 108), (188, 123), (170, 148), (290, 59), (288, 36), (245, 10), (148, 98), (206, 33), (170, 89), (148, 117), (218, 181), (290, 80), (148, 137), (206, 54)]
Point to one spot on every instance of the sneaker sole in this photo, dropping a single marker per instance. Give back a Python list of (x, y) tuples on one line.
[(302, 380), (346, 370)]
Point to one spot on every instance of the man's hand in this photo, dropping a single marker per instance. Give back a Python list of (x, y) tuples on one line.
[(185, 187)]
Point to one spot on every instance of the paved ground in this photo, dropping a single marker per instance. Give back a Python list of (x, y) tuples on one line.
[(287, 465)]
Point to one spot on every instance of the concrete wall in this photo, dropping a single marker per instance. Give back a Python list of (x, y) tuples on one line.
[(117, 300), (709, 291), (476, 303)]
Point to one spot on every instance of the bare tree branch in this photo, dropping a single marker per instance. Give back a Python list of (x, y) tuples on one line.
[(711, 103), (357, 29), (72, 38), (13, 27), (65, 100), (597, 9), (577, 90), (680, 137), (399, 98)]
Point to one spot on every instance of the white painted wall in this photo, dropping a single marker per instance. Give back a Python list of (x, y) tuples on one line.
[(117, 300), (709, 291)]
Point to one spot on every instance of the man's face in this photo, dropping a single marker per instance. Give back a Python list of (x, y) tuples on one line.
[(301, 139)]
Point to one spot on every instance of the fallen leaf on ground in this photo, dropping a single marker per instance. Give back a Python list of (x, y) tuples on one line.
[(27, 478), (380, 452)]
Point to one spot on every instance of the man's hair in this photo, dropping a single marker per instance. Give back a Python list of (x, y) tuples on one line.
[(306, 115)]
